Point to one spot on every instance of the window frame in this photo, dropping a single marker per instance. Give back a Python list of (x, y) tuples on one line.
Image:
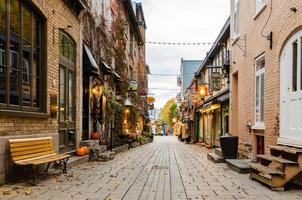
[(259, 73), (19, 109), (236, 19)]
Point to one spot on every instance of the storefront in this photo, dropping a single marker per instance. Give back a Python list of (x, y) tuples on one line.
[(95, 96), (213, 119)]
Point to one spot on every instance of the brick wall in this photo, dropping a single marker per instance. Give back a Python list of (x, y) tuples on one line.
[(282, 23), (57, 15)]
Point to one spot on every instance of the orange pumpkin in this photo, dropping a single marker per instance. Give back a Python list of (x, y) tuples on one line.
[(95, 136), (86, 150), (81, 151)]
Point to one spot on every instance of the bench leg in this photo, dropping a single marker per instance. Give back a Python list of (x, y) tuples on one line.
[(46, 170), (35, 171), (65, 165)]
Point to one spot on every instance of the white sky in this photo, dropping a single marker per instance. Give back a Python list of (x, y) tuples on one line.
[(179, 21)]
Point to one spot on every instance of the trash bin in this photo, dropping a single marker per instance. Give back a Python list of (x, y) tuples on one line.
[(229, 146)]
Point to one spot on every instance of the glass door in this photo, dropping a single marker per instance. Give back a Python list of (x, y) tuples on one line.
[(67, 110)]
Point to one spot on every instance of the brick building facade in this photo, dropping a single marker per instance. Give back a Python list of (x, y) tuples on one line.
[(29, 114), (260, 32)]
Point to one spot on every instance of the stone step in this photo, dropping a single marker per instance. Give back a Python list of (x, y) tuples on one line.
[(90, 144), (77, 160), (218, 152), (215, 158), (106, 156), (239, 165), (121, 148), (277, 159)]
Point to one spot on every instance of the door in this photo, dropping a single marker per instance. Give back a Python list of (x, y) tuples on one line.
[(66, 110), (291, 92)]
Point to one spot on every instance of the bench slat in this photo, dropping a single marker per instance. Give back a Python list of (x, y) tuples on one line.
[(31, 151), (18, 149), (29, 139), (29, 143), (42, 160), (32, 155)]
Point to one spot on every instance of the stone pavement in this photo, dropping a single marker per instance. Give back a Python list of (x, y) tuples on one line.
[(164, 169)]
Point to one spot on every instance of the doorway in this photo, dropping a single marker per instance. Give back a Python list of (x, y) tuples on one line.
[(66, 110), (234, 105), (67, 106), (291, 92)]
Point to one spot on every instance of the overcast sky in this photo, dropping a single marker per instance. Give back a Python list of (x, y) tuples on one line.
[(179, 21)]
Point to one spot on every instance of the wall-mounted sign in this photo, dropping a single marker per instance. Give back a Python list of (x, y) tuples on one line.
[(133, 86)]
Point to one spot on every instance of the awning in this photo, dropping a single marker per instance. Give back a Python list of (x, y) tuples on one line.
[(89, 64), (222, 96), (108, 70), (117, 77)]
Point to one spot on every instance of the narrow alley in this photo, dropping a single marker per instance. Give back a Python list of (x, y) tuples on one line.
[(164, 169)]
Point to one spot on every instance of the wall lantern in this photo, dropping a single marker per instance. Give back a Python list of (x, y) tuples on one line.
[(53, 105), (128, 103), (203, 91), (97, 91)]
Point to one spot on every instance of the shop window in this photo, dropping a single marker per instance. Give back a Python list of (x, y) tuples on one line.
[(20, 81), (260, 70)]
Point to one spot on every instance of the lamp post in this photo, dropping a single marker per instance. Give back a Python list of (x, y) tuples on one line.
[(127, 105)]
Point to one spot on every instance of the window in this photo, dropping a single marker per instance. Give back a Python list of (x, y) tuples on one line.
[(20, 78), (259, 5), (260, 70), (67, 48), (295, 66), (236, 18)]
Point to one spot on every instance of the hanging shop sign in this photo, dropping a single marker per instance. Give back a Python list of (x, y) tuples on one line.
[(133, 86), (150, 99), (143, 92), (216, 79)]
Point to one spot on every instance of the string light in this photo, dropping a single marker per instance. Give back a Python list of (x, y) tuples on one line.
[(178, 43), (159, 74), (165, 89)]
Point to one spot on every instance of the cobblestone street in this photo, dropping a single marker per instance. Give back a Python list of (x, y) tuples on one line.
[(164, 169)]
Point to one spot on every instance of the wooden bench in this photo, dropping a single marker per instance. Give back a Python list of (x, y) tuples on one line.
[(34, 152)]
